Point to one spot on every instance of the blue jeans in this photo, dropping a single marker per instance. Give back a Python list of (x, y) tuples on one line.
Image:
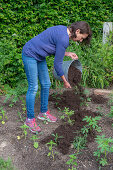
[(36, 70)]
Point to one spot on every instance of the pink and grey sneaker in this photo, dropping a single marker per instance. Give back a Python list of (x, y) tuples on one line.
[(32, 125), (47, 116)]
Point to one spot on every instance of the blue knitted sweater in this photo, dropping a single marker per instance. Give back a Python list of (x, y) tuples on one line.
[(52, 41)]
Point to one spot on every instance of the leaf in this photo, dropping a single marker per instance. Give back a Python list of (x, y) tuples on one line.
[(18, 137), (49, 154), (3, 122), (36, 145)]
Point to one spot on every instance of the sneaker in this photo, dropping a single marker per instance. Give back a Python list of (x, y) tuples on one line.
[(32, 125), (47, 116)]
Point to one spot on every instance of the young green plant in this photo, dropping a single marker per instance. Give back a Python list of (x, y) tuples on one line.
[(56, 137), (72, 162), (51, 152), (92, 123), (67, 115), (35, 143), (24, 133), (2, 115), (105, 146)]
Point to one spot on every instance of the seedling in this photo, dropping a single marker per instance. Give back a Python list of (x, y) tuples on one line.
[(51, 152), (23, 105), (34, 138), (78, 143), (24, 128), (85, 131), (2, 115), (105, 146), (88, 99), (72, 162), (67, 114), (56, 137), (92, 123), (20, 116)]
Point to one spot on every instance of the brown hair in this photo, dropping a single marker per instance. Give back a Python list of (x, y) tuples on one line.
[(84, 29)]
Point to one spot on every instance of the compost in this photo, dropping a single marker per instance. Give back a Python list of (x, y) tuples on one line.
[(74, 76)]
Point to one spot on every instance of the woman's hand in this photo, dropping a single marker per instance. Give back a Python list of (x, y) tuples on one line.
[(66, 84), (72, 55)]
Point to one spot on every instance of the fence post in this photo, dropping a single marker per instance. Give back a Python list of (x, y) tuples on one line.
[(107, 27)]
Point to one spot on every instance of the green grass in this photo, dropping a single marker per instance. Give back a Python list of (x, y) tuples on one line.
[(6, 164)]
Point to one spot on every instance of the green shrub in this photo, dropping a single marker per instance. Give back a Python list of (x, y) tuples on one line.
[(22, 20)]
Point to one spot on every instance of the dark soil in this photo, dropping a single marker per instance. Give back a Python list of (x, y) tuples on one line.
[(69, 132), (98, 99), (73, 101)]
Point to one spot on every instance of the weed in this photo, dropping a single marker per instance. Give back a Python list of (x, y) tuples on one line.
[(104, 147), (51, 152), (2, 115), (79, 141)]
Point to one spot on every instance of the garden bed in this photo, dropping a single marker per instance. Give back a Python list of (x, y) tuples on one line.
[(21, 148)]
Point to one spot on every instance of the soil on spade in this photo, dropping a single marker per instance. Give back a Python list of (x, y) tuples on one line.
[(22, 152)]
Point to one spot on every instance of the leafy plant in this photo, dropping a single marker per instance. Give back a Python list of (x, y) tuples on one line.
[(105, 146), (2, 115), (56, 137), (92, 123), (34, 138), (51, 152), (72, 162), (67, 115), (79, 141)]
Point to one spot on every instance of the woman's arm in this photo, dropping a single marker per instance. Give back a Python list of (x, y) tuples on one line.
[(66, 84)]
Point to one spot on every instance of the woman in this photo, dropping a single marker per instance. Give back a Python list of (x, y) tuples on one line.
[(52, 41)]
